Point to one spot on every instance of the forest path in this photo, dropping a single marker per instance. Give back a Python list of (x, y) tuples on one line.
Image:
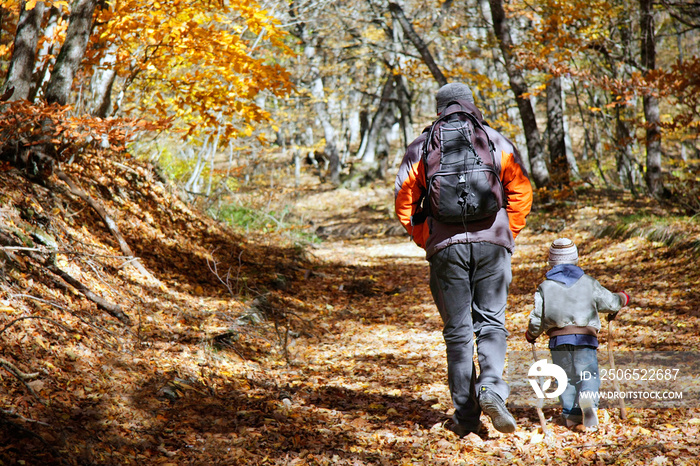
[(251, 350), (381, 366)]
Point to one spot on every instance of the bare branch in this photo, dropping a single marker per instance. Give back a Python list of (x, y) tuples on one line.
[(9, 324), (407, 27), (16, 372), (64, 309), (111, 224), (22, 377), (111, 308), (24, 419)]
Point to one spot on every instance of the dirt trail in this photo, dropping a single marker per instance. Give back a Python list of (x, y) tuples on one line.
[(385, 351), (250, 351), (381, 372)]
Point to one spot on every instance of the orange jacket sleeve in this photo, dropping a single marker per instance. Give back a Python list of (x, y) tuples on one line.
[(518, 189), (408, 191)]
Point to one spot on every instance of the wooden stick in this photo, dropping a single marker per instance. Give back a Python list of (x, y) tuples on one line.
[(108, 221), (113, 309), (34, 317), (50, 263), (540, 402), (616, 385), (22, 377)]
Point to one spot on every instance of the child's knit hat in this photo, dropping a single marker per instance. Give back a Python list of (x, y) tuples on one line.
[(563, 251)]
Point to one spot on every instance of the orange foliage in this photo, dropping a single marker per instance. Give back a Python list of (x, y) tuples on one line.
[(24, 123), (200, 63)]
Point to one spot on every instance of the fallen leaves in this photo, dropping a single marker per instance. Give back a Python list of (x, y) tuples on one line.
[(281, 358)]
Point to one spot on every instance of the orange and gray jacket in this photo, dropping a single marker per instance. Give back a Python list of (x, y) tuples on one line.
[(501, 229)]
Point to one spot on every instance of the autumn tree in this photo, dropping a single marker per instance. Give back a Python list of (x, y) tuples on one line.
[(390, 59), (348, 84), (559, 165), (198, 68), (72, 51), (501, 26), (626, 96), (650, 99), (416, 40), (19, 75)]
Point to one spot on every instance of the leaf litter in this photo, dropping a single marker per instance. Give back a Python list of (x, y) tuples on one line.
[(247, 349)]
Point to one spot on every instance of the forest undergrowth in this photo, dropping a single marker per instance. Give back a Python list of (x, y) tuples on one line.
[(225, 346)]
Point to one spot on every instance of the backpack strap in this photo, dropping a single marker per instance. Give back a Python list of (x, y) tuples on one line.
[(424, 201), (475, 121), (420, 217)]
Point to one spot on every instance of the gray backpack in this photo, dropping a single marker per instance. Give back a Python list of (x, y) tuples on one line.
[(461, 170)]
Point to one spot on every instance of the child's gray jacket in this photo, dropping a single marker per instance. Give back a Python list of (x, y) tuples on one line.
[(568, 302)]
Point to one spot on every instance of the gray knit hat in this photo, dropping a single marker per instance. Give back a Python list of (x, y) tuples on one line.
[(451, 92), (563, 251)]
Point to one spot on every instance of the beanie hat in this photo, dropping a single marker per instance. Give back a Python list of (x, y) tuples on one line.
[(451, 92), (563, 251)]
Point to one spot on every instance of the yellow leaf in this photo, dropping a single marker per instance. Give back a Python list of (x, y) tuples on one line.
[(42, 343)]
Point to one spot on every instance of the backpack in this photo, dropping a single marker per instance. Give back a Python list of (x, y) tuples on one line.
[(462, 178)]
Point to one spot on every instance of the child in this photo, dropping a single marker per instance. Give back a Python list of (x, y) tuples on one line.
[(566, 308)]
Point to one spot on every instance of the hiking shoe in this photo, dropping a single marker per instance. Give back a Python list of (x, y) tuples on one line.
[(571, 422), (590, 414), (461, 431), (494, 407)]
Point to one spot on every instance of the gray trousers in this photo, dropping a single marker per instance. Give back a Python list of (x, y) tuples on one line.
[(469, 283)]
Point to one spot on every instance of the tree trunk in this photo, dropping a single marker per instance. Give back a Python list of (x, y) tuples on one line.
[(540, 174), (19, 75), (625, 167), (46, 58), (626, 163), (193, 186), (403, 99), (324, 117), (597, 151), (377, 127), (558, 163), (72, 51), (212, 156), (102, 82), (297, 164), (651, 102), (407, 27)]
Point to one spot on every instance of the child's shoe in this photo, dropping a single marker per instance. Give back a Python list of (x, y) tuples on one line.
[(571, 420), (571, 423), (590, 413)]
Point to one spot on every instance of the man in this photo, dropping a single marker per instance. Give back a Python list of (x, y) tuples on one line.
[(470, 271)]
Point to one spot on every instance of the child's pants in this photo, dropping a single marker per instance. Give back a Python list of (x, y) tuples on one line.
[(581, 366)]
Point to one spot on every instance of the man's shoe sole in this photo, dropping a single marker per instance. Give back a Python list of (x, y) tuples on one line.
[(496, 409)]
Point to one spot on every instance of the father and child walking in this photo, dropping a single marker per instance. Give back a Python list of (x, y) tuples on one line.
[(462, 193)]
